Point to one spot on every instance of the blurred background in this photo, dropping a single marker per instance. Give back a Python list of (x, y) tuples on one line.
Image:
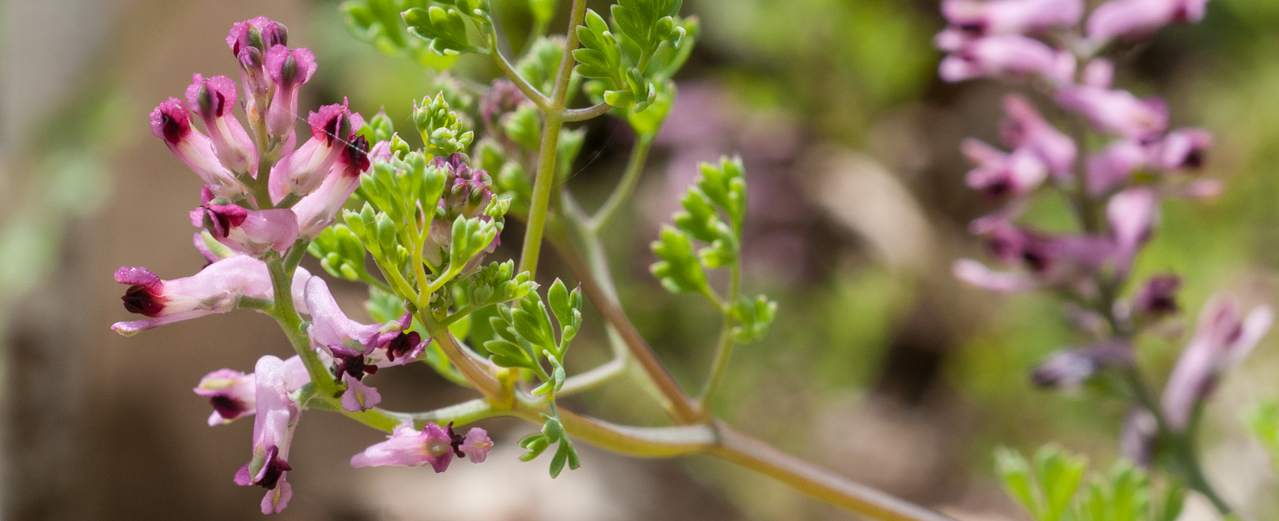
[(879, 365)]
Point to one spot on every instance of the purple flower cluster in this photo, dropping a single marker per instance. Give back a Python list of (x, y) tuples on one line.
[(1116, 190), (262, 197)]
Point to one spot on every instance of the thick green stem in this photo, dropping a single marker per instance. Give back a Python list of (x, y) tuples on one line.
[(630, 178), (521, 82), (481, 378), (547, 154)]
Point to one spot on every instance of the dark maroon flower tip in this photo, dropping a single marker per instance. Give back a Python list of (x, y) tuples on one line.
[(140, 300), (402, 345), (228, 407), (351, 362), (1159, 297), (170, 121), (355, 157), (274, 469), (260, 33), (219, 218), (331, 122), (211, 98), (455, 441)]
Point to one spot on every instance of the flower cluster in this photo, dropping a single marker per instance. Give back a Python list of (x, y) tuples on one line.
[(264, 199), (1115, 189)]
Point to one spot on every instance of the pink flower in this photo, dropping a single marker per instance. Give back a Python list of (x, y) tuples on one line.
[(1114, 165), (1007, 55), (277, 417), (254, 232), (432, 445), (216, 289), (233, 394), (1132, 215), (249, 42), (319, 209), (288, 70), (999, 174), (1117, 111), (1026, 128), (1222, 340), (1070, 368), (1119, 18), (476, 445), (1181, 149), (303, 170), (213, 100), (358, 349), (990, 17), (976, 274), (171, 122)]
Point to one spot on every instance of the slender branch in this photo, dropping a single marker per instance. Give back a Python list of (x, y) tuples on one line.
[(818, 483), (285, 313), (588, 112), (724, 350), (550, 146), (601, 292), (522, 83), (295, 254), (481, 378), (621, 194), (600, 375)]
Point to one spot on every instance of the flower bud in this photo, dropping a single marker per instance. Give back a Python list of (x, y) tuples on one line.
[(288, 69), (1120, 18), (303, 170), (1222, 339), (171, 122), (1007, 56), (213, 100), (1117, 111), (1068, 369)]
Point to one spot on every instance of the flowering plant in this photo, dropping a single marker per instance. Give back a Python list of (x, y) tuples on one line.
[(1114, 159), (431, 218)]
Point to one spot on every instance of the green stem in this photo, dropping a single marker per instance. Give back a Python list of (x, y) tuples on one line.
[(295, 254), (481, 378), (724, 350), (584, 114), (630, 178), (522, 83), (596, 377), (284, 312), (550, 146)]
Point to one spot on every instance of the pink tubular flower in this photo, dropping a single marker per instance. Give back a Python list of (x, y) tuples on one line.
[(217, 288), (213, 100), (249, 42), (1117, 111), (320, 208), (254, 232), (991, 17), (233, 394), (999, 174), (358, 349), (1070, 368), (432, 445), (976, 274), (1119, 18), (171, 122), (303, 170), (277, 417), (288, 70), (1181, 149), (1222, 339), (1008, 55), (1132, 215), (1026, 128), (1114, 165)]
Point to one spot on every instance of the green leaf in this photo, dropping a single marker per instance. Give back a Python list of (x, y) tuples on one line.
[(1059, 476), (600, 56), (443, 30), (679, 269), (647, 22), (1014, 471), (557, 297), (725, 185), (754, 317), (382, 306)]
